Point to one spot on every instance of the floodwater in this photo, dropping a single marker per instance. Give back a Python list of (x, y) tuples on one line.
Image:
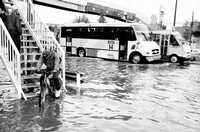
[(119, 97)]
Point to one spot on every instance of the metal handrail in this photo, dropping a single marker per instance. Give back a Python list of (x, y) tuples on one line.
[(41, 33), (11, 58)]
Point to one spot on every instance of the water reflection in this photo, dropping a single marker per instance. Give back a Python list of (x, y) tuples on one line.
[(117, 97), (26, 116)]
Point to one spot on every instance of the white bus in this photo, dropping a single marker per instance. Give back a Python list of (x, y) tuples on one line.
[(173, 47), (110, 41)]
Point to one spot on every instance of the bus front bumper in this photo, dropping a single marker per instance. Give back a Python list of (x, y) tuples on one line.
[(153, 58)]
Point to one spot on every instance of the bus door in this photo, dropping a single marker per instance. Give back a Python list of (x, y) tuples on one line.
[(123, 45), (68, 40), (69, 44), (164, 43)]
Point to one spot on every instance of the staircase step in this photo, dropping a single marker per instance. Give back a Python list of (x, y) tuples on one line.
[(6, 87), (29, 61), (27, 40), (35, 53), (29, 68), (36, 84), (31, 76), (27, 37), (32, 47), (30, 87), (26, 34)]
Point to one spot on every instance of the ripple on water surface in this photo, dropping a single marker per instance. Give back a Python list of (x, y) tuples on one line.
[(116, 97)]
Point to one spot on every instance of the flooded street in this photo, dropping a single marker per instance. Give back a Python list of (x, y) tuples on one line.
[(119, 97)]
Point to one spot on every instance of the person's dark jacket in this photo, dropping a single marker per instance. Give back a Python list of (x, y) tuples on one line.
[(13, 22), (3, 13), (2, 6), (13, 25)]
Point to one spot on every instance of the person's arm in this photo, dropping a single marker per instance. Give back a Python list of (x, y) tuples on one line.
[(57, 63), (40, 63)]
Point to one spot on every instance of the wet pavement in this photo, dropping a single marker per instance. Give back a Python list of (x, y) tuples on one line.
[(120, 97)]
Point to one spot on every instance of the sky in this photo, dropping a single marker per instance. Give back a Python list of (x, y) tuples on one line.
[(144, 9)]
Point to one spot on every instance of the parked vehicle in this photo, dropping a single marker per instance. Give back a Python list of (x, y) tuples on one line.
[(173, 47), (110, 41), (195, 54)]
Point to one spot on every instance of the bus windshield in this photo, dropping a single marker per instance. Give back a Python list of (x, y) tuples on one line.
[(143, 36), (142, 32), (179, 37), (140, 28)]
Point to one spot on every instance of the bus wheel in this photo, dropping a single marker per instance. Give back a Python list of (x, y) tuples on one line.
[(173, 59), (135, 58), (81, 52)]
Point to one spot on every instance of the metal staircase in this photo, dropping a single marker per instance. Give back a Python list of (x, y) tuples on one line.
[(30, 54), (36, 37)]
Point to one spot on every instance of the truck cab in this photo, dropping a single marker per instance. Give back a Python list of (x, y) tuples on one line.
[(173, 47)]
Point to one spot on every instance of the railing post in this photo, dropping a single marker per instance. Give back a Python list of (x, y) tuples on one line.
[(20, 91), (78, 83), (63, 70)]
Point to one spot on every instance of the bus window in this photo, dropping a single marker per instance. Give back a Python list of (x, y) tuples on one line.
[(179, 38), (141, 36), (75, 32), (92, 30), (65, 32), (154, 37), (99, 33), (103, 33), (173, 41), (80, 32), (132, 36), (68, 32), (84, 32), (127, 33), (122, 34), (109, 33)]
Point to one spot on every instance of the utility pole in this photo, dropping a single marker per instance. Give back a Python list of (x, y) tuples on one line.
[(162, 13), (191, 26), (175, 14)]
